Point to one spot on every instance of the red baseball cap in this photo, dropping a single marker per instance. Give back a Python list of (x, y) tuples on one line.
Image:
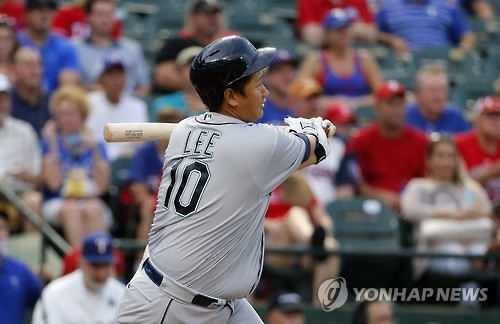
[(339, 112), (487, 105), (390, 89)]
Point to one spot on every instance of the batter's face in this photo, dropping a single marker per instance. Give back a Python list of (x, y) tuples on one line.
[(251, 102)]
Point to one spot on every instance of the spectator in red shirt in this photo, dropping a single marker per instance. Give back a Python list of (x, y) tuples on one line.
[(388, 151), (71, 21), (480, 147), (310, 17), (13, 9)]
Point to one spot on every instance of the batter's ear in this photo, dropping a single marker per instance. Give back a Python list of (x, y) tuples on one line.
[(231, 98)]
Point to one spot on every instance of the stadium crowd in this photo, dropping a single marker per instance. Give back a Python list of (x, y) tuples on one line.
[(413, 144)]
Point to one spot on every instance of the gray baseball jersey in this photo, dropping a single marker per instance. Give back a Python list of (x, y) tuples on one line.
[(218, 174)]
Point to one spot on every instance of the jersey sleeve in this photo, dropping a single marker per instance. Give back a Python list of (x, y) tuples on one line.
[(275, 158)]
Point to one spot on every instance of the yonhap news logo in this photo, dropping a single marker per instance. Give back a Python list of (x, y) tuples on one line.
[(422, 295), (333, 294)]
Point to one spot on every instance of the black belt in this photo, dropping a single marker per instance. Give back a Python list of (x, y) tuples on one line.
[(157, 278)]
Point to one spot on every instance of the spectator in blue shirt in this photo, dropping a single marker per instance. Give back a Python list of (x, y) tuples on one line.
[(421, 24), (30, 102), (278, 78), (60, 61), (19, 286), (431, 111)]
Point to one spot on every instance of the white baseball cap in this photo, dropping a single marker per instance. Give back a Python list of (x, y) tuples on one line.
[(4, 83)]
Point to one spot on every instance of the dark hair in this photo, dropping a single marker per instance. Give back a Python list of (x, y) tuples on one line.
[(238, 86), (3, 213), (89, 4), (359, 315)]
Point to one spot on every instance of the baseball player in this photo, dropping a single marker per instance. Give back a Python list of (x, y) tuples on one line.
[(206, 245)]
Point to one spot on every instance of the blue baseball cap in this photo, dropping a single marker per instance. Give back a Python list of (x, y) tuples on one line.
[(286, 302), (98, 248), (283, 57), (338, 18), (111, 62)]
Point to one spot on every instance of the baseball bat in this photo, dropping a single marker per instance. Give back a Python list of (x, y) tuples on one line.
[(139, 132)]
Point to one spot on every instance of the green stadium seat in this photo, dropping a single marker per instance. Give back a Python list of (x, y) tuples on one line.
[(459, 65), (466, 94), (362, 224), (360, 220)]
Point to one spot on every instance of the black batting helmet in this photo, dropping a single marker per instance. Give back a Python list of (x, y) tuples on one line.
[(223, 62)]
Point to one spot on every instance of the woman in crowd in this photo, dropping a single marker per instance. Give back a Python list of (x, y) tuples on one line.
[(75, 168), (450, 210), (346, 74)]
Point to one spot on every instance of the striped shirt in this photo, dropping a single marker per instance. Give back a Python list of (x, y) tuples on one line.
[(423, 24)]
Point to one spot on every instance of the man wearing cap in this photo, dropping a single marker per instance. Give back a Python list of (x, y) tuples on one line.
[(285, 308), (185, 100), (20, 287), (87, 295), (60, 62), (101, 44), (480, 147), (112, 104), (204, 24), (388, 151), (278, 78)]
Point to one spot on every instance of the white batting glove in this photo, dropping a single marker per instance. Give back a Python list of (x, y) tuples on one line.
[(301, 125), (323, 146)]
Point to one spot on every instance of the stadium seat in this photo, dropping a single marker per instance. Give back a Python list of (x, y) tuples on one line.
[(364, 222), (459, 65), (364, 115), (466, 94), (362, 225)]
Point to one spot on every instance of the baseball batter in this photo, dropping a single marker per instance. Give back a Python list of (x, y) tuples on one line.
[(206, 246)]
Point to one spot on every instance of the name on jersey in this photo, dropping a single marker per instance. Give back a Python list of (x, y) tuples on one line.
[(200, 143)]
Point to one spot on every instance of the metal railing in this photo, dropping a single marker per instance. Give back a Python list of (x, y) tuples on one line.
[(50, 235)]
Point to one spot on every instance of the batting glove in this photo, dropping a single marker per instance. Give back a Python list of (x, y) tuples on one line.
[(301, 125), (323, 145)]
